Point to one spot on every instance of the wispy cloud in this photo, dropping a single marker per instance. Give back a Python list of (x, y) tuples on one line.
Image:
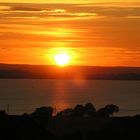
[(103, 32), (4, 7), (68, 11)]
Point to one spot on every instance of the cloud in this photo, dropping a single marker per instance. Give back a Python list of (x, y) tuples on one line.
[(4, 7), (108, 32), (22, 8), (68, 11), (104, 32)]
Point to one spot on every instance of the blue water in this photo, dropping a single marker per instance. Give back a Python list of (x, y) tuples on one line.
[(24, 95)]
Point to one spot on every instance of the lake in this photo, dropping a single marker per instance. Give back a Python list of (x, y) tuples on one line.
[(24, 95)]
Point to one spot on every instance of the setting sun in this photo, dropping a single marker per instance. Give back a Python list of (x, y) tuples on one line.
[(62, 59)]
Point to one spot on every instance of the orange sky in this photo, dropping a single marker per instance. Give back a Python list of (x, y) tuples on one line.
[(93, 34), (68, 1)]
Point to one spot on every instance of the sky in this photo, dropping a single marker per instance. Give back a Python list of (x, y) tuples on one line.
[(68, 1), (95, 34)]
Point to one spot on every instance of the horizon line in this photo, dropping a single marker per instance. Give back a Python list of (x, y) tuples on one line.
[(69, 65)]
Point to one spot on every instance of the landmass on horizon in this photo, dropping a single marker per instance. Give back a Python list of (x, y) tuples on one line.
[(68, 72)]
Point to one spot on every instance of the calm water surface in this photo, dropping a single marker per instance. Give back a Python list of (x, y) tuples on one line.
[(24, 95)]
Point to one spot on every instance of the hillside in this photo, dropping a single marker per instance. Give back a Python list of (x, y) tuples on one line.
[(69, 72)]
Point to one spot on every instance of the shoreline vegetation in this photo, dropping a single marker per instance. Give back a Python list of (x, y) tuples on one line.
[(83, 122), (21, 71)]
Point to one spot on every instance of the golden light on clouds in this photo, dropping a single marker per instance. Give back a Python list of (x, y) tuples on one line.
[(69, 1), (74, 34)]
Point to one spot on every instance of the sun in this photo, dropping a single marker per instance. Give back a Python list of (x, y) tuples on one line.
[(62, 59)]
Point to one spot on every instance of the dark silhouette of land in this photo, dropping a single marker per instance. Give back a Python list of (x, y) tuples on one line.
[(69, 72), (83, 122)]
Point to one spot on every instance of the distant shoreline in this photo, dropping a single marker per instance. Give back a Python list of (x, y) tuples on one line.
[(67, 79), (19, 71)]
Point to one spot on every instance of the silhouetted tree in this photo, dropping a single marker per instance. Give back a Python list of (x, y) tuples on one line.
[(3, 113), (25, 115), (42, 115), (78, 110), (65, 113), (43, 111), (108, 110), (89, 109)]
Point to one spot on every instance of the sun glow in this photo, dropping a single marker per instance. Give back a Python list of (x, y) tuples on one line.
[(62, 59), (61, 56)]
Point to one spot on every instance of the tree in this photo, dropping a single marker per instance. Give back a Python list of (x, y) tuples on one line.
[(108, 110), (65, 113), (43, 111), (42, 115), (89, 109), (78, 110)]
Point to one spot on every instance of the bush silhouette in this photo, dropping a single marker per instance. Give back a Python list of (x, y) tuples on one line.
[(65, 113), (43, 111), (89, 109), (108, 110), (42, 115), (78, 110)]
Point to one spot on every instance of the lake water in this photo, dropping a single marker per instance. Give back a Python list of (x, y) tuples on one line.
[(24, 95)]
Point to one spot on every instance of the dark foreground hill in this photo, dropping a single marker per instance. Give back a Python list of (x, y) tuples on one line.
[(79, 123), (69, 72), (22, 128)]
